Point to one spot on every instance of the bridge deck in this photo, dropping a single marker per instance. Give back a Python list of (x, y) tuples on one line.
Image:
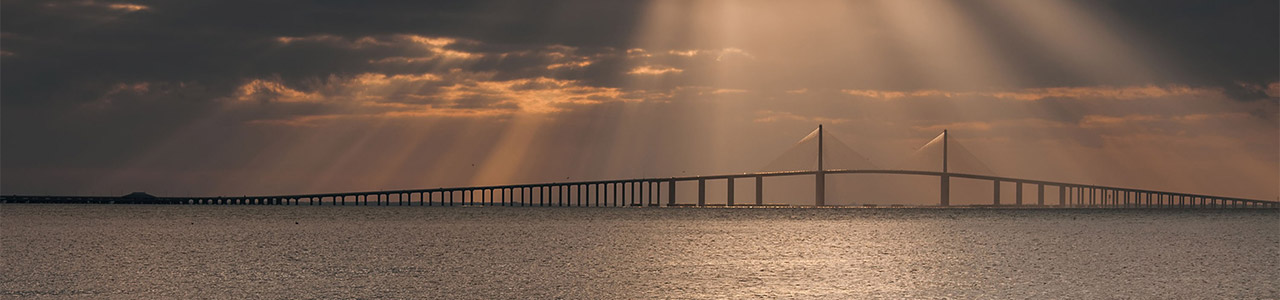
[(646, 192)]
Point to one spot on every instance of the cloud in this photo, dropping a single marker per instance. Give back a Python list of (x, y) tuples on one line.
[(121, 6), (770, 116), (1033, 94), (981, 126), (685, 53), (727, 91), (1150, 120), (719, 54), (653, 70), (454, 94), (129, 7)]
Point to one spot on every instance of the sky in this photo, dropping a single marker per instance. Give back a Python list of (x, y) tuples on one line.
[(282, 97)]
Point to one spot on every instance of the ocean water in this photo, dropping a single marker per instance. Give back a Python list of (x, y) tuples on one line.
[(142, 251)]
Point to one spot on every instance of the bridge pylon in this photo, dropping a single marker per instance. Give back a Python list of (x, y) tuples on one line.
[(945, 184), (820, 177)]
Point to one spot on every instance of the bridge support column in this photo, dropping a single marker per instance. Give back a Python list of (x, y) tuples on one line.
[(645, 192), (1018, 187), (655, 197), (945, 193), (702, 192), (820, 189), (671, 193), (1093, 199), (730, 196), (642, 193), (1062, 196), (1040, 194), (995, 198), (759, 190)]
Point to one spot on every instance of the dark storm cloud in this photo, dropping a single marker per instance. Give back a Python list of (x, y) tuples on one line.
[(1230, 44), (67, 51), (74, 50)]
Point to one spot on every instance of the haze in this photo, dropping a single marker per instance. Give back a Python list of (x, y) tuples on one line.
[(233, 98)]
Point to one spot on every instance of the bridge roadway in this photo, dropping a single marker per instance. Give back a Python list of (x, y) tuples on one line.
[(647, 192)]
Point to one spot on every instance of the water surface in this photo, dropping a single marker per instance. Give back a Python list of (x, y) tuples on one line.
[(141, 251)]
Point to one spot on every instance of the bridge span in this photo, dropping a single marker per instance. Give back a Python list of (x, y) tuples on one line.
[(650, 192), (661, 192)]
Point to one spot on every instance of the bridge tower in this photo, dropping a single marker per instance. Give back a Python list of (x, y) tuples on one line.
[(820, 189), (946, 179)]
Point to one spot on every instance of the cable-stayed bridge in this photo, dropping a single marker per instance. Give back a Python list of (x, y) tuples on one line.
[(661, 191)]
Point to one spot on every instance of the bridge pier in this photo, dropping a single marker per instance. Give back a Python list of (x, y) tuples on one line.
[(1093, 197), (671, 193), (1104, 198), (702, 192), (656, 195), (759, 190), (652, 191), (820, 190), (1073, 196), (996, 193), (1111, 198), (1040, 194), (945, 190), (1062, 196), (635, 193), (1081, 199), (730, 196), (1018, 188)]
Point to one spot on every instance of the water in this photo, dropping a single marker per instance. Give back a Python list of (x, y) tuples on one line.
[(139, 251)]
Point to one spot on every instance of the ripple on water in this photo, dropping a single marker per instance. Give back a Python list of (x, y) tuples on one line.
[(121, 251)]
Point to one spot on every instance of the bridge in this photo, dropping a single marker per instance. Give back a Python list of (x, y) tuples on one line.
[(661, 192)]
